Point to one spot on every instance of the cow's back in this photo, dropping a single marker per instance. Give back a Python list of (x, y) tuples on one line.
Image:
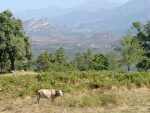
[(47, 92)]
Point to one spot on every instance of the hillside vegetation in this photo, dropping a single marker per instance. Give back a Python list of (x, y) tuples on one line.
[(92, 91), (22, 85)]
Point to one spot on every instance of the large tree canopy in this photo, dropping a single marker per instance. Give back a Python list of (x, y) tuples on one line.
[(131, 50), (143, 35), (14, 43)]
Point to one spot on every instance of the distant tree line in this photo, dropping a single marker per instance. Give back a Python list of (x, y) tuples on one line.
[(16, 51), (58, 61)]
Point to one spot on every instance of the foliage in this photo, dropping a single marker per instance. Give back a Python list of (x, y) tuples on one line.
[(54, 61), (14, 44), (100, 62), (131, 50), (93, 98), (113, 62), (69, 82), (57, 61), (60, 56), (16, 51), (88, 58), (89, 61), (43, 61), (78, 60), (143, 35), (80, 88)]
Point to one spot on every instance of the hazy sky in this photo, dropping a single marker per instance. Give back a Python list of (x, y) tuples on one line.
[(21, 5)]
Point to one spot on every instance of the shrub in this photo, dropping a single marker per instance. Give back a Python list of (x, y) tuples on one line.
[(69, 82)]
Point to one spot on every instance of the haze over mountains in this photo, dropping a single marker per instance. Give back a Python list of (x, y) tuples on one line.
[(90, 6), (97, 15), (70, 25)]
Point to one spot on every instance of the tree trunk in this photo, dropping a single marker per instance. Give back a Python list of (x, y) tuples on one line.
[(12, 60), (128, 65)]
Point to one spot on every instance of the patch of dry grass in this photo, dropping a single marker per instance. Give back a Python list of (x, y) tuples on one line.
[(18, 73), (136, 100), (83, 93)]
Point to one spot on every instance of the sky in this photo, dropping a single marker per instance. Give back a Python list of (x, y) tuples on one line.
[(16, 6)]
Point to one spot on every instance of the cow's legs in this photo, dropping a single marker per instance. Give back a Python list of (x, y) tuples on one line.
[(38, 98)]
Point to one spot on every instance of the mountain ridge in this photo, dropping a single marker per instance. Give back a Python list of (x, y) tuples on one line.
[(55, 11), (75, 30)]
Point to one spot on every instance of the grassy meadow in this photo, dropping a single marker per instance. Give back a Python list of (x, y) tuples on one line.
[(82, 90)]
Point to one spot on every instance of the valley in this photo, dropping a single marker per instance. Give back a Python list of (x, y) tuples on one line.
[(93, 24)]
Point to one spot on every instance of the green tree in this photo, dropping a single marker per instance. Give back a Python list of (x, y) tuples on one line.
[(54, 61), (43, 61), (131, 51), (14, 44), (78, 61), (113, 61), (137, 25), (99, 62), (88, 59), (52, 57), (83, 61), (60, 56), (143, 35)]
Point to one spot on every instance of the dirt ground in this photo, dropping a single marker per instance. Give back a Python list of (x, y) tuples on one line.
[(135, 101)]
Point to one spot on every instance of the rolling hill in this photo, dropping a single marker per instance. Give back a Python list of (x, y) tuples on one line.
[(46, 36)]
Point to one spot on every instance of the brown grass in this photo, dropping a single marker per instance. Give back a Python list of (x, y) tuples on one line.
[(18, 73), (133, 101)]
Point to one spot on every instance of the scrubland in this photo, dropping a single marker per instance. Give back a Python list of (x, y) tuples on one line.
[(84, 92)]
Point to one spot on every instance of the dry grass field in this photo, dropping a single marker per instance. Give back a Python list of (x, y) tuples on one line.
[(132, 101), (127, 99)]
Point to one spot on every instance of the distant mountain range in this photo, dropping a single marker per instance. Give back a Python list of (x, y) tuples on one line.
[(52, 11), (88, 25), (94, 15), (46, 36)]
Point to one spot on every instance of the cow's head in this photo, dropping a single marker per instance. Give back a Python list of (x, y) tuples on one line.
[(58, 93)]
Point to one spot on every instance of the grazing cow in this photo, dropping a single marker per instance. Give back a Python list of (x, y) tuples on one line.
[(47, 93)]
